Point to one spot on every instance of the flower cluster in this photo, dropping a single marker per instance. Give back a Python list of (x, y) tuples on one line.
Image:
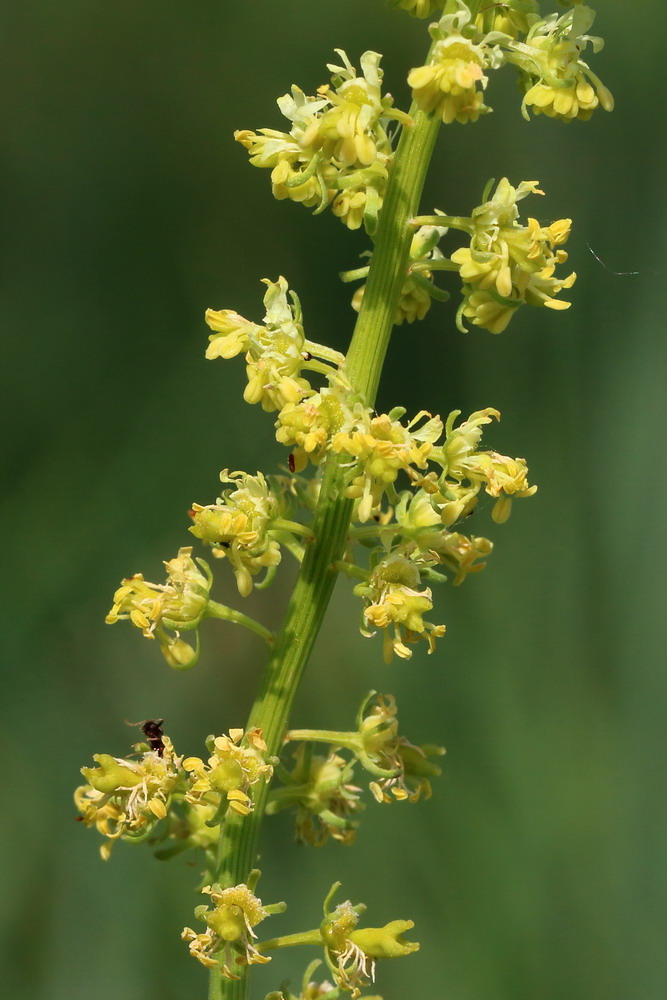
[(337, 150), (546, 51), (507, 264), (511, 19), (395, 603), (394, 762), (157, 609), (452, 83), (556, 80), (414, 537), (230, 924), (308, 426), (424, 539), (237, 762), (401, 768), (276, 352), (127, 798), (465, 470), (237, 526), (351, 952), (380, 448), (418, 289), (319, 790)]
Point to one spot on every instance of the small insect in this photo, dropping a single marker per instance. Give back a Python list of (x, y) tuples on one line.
[(152, 730), (291, 462)]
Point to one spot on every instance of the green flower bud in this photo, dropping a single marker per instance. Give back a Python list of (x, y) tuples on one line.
[(385, 942), (111, 774), (228, 922)]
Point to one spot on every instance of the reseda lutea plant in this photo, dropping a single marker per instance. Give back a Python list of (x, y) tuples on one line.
[(377, 497)]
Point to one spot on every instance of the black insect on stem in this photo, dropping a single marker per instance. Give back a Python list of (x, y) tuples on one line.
[(152, 730)]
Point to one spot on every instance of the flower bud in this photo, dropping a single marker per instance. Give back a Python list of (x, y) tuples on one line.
[(385, 942)]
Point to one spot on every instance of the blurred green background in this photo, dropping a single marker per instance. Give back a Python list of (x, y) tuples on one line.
[(537, 871)]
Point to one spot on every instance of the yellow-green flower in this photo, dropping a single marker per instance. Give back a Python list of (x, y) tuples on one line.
[(180, 603), (428, 543), (325, 801), (448, 86), (337, 150), (274, 350), (127, 798), (237, 762), (396, 605), (507, 19), (507, 264), (380, 448), (418, 288), (413, 780), (451, 85), (230, 927), (237, 526), (351, 952), (308, 426), (557, 81), (462, 463)]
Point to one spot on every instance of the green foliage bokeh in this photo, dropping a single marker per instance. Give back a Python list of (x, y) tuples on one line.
[(537, 871)]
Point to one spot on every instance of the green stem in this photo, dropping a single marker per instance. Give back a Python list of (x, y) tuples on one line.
[(349, 569), (355, 275), (237, 852), (451, 221), (350, 741), (221, 611), (358, 533), (282, 524), (324, 353), (290, 940)]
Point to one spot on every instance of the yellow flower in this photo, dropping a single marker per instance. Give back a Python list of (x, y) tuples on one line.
[(237, 526), (231, 333), (557, 82), (507, 20), (337, 150), (230, 928), (500, 476), (181, 602), (274, 351), (127, 798), (396, 605), (399, 767), (238, 762), (352, 952), (413, 780), (448, 85), (418, 288), (507, 264), (381, 447)]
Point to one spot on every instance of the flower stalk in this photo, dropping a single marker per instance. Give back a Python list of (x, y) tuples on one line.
[(314, 587), (362, 521)]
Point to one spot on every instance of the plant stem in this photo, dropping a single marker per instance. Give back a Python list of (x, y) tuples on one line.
[(281, 524), (291, 940), (349, 740), (221, 611), (237, 853)]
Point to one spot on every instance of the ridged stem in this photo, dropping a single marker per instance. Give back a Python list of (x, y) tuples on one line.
[(237, 853)]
